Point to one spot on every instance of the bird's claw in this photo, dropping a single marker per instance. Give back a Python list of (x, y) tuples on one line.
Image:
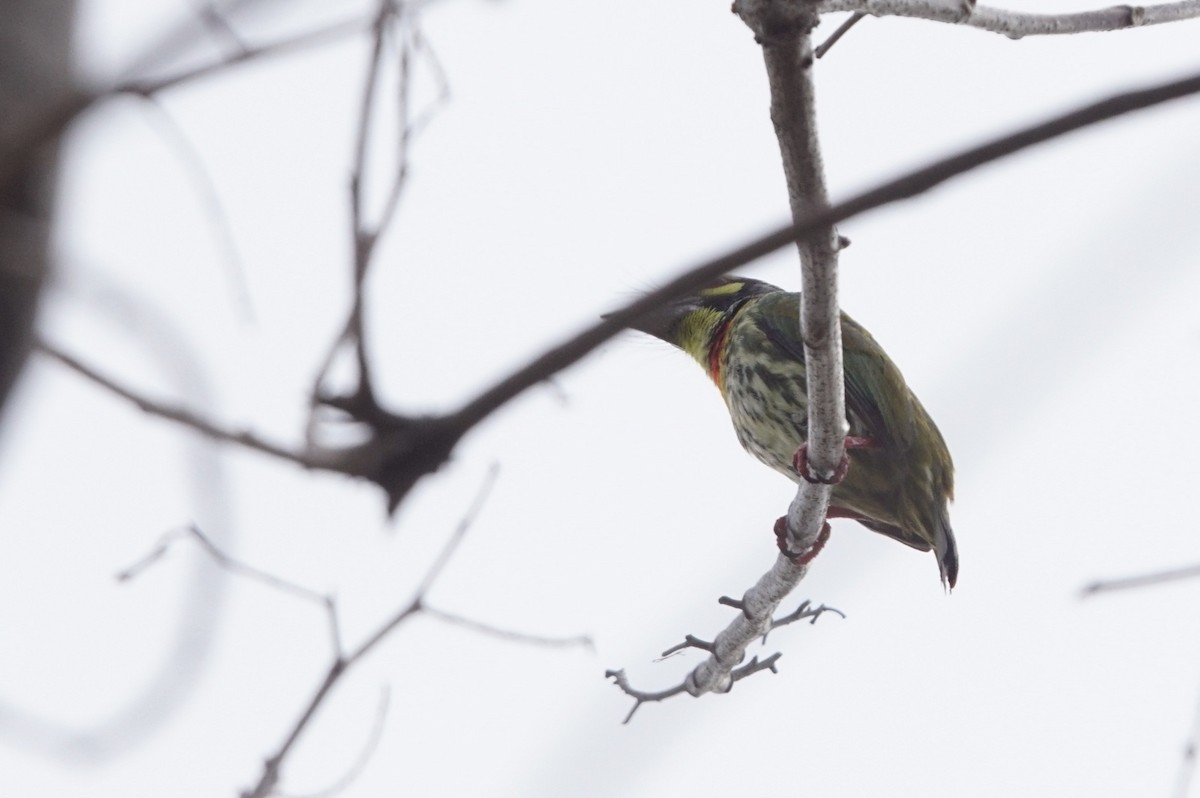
[(806, 556), (800, 461)]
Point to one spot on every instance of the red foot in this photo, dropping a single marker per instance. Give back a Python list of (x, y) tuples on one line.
[(804, 557), (800, 461)]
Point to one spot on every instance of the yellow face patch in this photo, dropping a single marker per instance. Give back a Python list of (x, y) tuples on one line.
[(723, 290), (694, 332)]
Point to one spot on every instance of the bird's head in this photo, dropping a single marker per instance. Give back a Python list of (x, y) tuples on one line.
[(693, 322)]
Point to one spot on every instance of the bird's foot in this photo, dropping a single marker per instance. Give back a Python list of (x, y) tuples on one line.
[(800, 461), (806, 556)]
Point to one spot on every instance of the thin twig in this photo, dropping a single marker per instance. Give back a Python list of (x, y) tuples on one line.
[(842, 30), (185, 32), (1142, 580), (805, 612), (639, 696), (327, 34), (1187, 762), (507, 634), (364, 757), (238, 568), (218, 24), (269, 779), (398, 25), (184, 417), (456, 539), (206, 191), (723, 657), (16, 151), (621, 680), (1018, 24), (363, 238)]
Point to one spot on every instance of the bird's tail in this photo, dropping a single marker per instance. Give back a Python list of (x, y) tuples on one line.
[(946, 548)]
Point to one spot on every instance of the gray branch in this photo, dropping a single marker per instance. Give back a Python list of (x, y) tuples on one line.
[(1017, 24)]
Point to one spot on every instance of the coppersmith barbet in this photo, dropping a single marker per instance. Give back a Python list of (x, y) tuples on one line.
[(745, 333)]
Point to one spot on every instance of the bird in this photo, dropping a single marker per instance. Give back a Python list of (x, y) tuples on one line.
[(898, 479)]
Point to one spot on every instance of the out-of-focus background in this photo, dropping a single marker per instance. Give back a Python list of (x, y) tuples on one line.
[(1044, 308)]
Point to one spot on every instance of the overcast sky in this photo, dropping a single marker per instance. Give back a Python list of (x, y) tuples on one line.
[(1044, 309)]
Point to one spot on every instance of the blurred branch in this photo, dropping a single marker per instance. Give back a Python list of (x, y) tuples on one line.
[(206, 192), (1187, 763), (368, 750), (301, 41), (403, 449), (16, 149), (453, 619), (1017, 24), (35, 73), (204, 18), (318, 459), (907, 185), (395, 23), (342, 663), (238, 568), (169, 679), (269, 779), (1143, 580), (219, 26)]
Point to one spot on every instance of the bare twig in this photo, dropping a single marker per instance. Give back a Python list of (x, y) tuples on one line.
[(841, 31), (1187, 762), (507, 634), (639, 696), (215, 21), (206, 192), (724, 661), (363, 237), (342, 662), (621, 680), (368, 750), (1017, 24), (1142, 580), (186, 418), (397, 24), (805, 611), (689, 641), (302, 41), (205, 19), (16, 150), (269, 779), (239, 568)]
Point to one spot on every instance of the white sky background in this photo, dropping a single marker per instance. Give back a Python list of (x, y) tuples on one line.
[(1044, 309)]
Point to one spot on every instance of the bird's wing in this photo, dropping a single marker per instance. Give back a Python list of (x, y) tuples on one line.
[(869, 373)]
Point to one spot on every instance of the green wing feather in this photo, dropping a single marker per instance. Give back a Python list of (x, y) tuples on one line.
[(870, 374)]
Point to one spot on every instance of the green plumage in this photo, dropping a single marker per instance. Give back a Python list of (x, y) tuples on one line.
[(745, 334)]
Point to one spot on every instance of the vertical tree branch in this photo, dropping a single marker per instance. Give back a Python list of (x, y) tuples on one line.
[(784, 30), (35, 76)]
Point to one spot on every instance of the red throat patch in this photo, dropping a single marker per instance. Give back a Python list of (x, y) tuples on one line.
[(715, 349)]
